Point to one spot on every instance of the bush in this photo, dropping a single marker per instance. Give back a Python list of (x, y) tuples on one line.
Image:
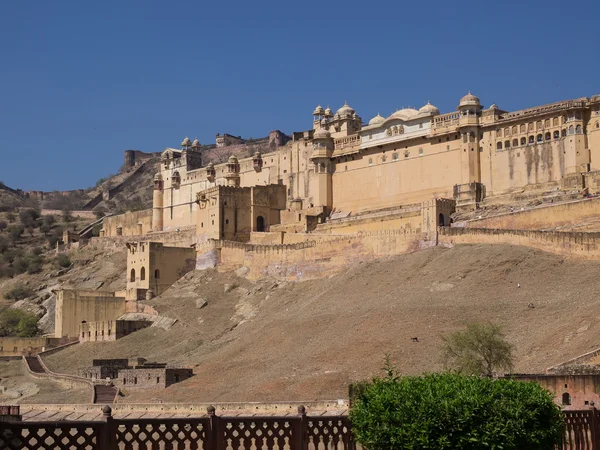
[(3, 244), (15, 232), (19, 292), (29, 217), (453, 411), (63, 260), (14, 322), (3, 225)]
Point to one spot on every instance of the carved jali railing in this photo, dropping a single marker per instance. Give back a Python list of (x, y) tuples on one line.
[(294, 432)]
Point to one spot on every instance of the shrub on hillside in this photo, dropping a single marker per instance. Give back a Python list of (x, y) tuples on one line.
[(453, 411), (29, 217), (3, 225), (63, 260), (3, 244), (14, 322), (19, 292), (15, 232)]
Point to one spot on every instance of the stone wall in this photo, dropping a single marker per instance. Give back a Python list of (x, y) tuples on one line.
[(17, 346), (572, 244), (130, 224), (75, 307), (547, 216), (570, 391), (109, 330), (183, 237), (151, 378), (317, 258)]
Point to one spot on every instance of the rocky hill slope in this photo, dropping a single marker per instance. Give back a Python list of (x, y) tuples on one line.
[(300, 341)]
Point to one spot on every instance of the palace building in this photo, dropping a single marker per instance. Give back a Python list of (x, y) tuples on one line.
[(343, 166)]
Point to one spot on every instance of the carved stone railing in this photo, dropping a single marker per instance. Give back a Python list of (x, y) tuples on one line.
[(294, 432), (344, 142)]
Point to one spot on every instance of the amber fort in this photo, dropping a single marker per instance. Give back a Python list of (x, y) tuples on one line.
[(347, 191)]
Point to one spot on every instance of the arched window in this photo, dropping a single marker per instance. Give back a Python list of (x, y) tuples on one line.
[(522, 128), (260, 224), (420, 152), (556, 134), (514, 129), (143, 274), (578, 129), (548, 136), (547, 122), (507, 144), (499, 133), (566, 398), (499, 146), (563, 133), (442, 221), (597, 124), (132, 277), (571, 129), (540, 138), (515, 143), (394, 156), (157, 274), (531, 139), (370, 161), (523, 141)]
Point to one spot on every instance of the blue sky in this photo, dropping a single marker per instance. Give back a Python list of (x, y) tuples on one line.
[(82, 81)]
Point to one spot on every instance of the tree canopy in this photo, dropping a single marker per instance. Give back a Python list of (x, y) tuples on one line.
[(480, 349)]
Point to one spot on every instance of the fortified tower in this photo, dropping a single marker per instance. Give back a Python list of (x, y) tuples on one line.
[(157, 203)]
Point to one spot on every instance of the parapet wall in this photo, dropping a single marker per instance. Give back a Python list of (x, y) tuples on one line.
[(547, 216), (319, 257), (131, 223), (185, 237), (572, 244)]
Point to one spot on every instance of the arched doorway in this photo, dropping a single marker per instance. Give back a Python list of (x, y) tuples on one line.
[(566, 398), (143, 274), (442, 221), (132, 277), (260, 224)]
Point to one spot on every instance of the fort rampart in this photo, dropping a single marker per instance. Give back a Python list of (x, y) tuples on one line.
[(320, 257), (547, 216), (572, 244)]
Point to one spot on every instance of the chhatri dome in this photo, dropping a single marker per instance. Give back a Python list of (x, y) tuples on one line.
[(321, 133), (405, 113), (318, 111), (378, 119), (196, 143), (345, 110), (328, 112), (469, 100), (186, 142), (429, 109), (232, 160)]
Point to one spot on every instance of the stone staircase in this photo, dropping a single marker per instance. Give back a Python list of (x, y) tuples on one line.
[(105, 394)]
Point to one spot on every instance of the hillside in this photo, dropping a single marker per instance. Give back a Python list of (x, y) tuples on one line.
[(301, 341)]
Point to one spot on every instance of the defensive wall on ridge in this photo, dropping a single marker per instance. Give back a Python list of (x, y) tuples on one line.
[(571, 213), (572, 244), (316, 258)]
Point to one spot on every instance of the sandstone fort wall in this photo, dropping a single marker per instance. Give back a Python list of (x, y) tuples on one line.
[(317, 258), (572, 244), (547, 216), (75, 307), (131, 223)]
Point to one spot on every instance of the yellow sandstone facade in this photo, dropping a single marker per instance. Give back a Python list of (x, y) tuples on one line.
[(343, 166)]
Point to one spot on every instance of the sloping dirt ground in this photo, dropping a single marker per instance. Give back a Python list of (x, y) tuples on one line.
[(269, 341)]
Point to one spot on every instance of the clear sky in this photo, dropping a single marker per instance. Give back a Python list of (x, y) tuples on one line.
[(82, 81)]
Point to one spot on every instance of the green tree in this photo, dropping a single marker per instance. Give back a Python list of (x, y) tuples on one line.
[(454, 411), (63, 260), (29, 217), (14, 322), (18, 292), (480, 349)]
